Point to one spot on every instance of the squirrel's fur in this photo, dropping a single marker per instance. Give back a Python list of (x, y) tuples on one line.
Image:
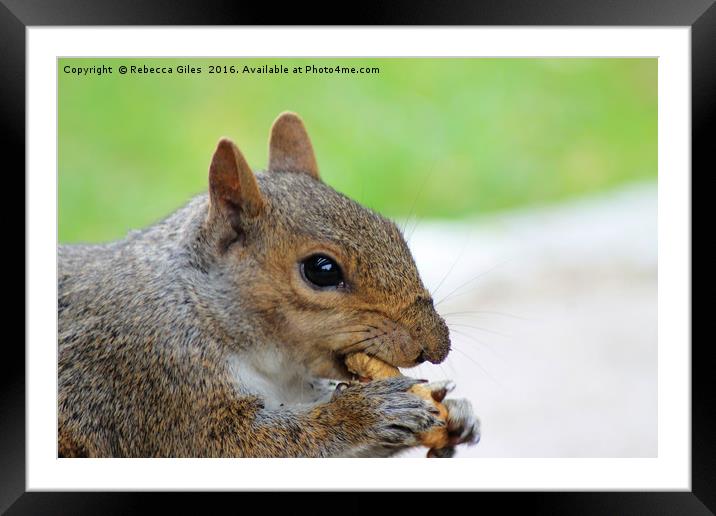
[(199, 337)]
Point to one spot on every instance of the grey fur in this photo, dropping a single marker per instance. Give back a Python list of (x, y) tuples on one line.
[(150, 325)]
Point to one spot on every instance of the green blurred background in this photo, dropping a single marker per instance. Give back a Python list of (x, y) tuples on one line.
[(437, 138)]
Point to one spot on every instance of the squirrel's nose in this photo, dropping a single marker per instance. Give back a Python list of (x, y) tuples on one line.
[(435, 343), (429, 330)]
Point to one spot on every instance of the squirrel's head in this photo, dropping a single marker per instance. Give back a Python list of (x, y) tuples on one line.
[(318, 273)]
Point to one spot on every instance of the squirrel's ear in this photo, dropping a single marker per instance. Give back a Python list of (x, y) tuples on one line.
[(233, 191), (290, 148)]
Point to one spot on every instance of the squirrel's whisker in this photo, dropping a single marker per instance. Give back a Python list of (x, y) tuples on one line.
[(480, 366), (477, 341), (352, 347), (455, 290), (429, 173), (482, 312), (479, 328), (454, 263), (344, 332)]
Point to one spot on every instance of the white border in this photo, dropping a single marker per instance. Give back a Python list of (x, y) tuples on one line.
[(671, 470)]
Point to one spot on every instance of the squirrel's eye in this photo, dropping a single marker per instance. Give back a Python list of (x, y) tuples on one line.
[(322, 271)]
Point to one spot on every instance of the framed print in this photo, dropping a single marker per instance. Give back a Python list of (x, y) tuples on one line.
[(254, 258)]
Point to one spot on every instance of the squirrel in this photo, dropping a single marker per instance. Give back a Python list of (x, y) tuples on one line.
[(221, 331)]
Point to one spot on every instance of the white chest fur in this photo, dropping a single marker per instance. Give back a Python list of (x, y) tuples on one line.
[(276, 379)]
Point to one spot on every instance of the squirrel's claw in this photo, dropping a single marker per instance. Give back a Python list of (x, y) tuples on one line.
[(339, 389), (440, 389), (463, 425), (441, 453)]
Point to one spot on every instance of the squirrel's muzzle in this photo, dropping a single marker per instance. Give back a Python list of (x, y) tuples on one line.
[(429, 330), (435, 343)]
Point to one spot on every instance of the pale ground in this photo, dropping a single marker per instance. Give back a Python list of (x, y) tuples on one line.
[(557, 350)]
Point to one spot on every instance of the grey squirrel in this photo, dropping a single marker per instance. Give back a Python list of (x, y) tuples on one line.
[(221, 331)]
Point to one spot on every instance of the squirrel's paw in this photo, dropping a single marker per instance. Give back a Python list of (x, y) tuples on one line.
[(397, 417)]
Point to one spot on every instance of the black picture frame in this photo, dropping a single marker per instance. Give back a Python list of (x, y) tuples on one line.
[(17, 15)]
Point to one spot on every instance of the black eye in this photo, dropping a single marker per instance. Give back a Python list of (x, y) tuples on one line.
[(322, 271)]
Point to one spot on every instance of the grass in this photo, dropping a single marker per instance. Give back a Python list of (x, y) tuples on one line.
[(430, 137)]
